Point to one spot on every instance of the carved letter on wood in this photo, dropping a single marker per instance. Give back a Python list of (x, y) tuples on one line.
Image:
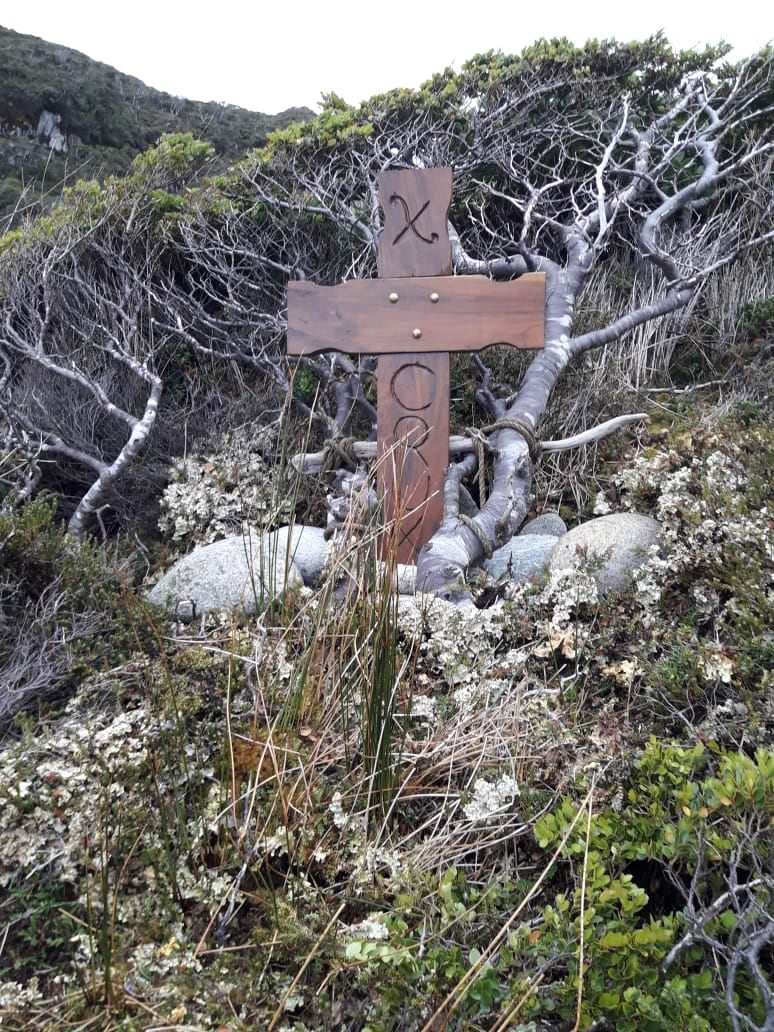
[(412, 316)]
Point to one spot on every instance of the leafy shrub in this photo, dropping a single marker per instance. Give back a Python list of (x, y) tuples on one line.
[(758, 317), (700, 817)]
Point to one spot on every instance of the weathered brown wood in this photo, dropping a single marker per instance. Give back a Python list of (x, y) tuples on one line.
[(412, 447), (412, 317), (413, 387), (415, 237), (418, 315)]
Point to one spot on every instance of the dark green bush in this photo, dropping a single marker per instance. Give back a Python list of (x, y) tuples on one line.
[(758, 317)]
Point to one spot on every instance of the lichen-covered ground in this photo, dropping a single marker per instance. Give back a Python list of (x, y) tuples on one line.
[(398, 814)]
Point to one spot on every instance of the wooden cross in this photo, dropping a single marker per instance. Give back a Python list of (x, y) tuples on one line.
[(412, 317)]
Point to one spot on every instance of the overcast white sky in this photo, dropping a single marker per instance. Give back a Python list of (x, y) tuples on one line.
[(270, 56)]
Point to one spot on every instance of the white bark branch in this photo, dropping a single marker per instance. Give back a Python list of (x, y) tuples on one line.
[(313, 463)]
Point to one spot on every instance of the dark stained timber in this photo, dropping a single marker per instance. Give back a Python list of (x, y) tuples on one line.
[(412, 317)]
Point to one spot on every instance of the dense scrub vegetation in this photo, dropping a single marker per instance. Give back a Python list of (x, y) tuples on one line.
[(658, 187), (570, 785), (106, 117), (351, 810)]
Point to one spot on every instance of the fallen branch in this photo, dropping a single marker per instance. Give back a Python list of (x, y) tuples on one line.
[(720, 904), (315, 462)]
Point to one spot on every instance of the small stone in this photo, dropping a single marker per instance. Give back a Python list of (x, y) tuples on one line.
[(549, 523)]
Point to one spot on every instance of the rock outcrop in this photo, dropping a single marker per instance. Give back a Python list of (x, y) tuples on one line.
[(49, 132)]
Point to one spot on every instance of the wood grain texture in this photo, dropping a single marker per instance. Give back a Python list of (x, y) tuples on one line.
[(470, 313), (415, 238), (412, 404), (412, 446), (412, 317)]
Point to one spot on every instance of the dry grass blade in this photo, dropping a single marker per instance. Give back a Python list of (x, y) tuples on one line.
[(582, 921), (455, 996)]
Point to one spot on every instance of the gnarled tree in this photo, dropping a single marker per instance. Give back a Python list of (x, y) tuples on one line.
[(122, 331), (563, 160)]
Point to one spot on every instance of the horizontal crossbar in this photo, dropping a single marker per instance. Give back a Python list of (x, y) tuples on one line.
[(416, 315)]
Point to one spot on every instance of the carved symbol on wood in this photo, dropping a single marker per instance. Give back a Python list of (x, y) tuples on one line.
[(411, 222), (412, 317), (411, 432), (412, 387)]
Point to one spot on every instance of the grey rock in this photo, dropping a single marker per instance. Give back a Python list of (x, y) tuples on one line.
[(49, 132), (550, 523), (405, 580), (308, 548), (527, 556), (239, 572), (620, 542)]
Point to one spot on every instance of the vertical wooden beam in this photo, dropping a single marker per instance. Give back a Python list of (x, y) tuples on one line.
[(413, 388)]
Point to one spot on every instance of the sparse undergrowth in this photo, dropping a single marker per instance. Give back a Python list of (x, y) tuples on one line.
[(362, 815), (59, 602)]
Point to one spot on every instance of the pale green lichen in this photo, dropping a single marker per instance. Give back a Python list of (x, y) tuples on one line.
[(456, 643), (490, 799), (235, 485)]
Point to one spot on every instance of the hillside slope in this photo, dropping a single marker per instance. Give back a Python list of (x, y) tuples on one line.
[(64, 116)]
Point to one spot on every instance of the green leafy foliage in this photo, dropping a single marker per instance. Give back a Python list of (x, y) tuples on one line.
[(38, 925), (689, 812), (36, 550), (688, 822), (58, 599), (758, 317)]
